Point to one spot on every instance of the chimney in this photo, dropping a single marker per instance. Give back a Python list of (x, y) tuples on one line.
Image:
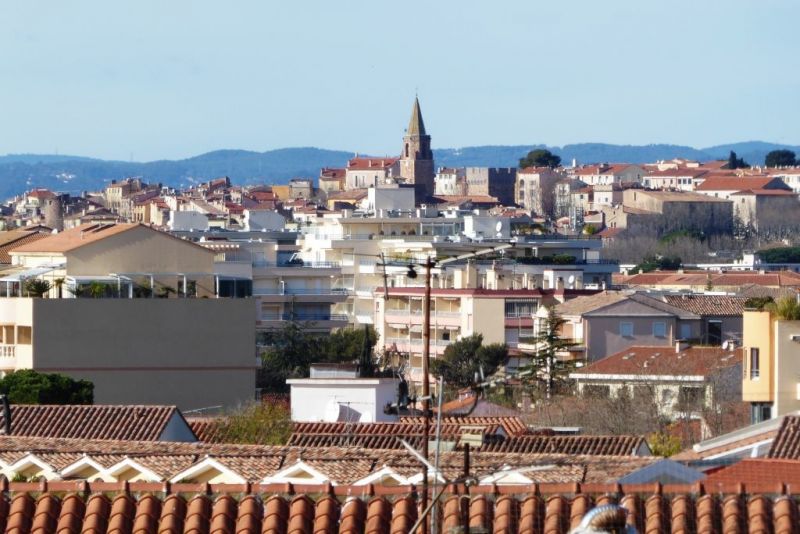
[(681, 345)]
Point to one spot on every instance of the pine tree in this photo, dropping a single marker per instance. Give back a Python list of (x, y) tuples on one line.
[(546, 370)]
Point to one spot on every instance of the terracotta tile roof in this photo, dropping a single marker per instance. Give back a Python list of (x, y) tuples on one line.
[(766, 192), (717, 279), (738, 183), (545, 508), (656, 361), (583, 445), (205, 428), (113, 422), (328, 173), (16, 238), (513, 426), (470, 406), (75, 237), (756, 471), (787, 441), (584, 304), (362, 164), (707, 304)]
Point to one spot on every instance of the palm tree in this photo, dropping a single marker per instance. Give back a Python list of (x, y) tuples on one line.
[(36, 287), (58, 283)]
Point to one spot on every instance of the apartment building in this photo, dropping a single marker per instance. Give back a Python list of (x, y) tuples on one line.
[(535, 189), (103, 323), (267, 266), (678, 381), (771, 379), (611, 322), (360, 245)]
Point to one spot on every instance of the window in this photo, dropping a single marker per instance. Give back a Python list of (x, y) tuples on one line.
[(596, 391), (446, 335), (760, 411), (659, 329), (686, 331), (755, 364), (626, 329), (24, 335), (691, 398)]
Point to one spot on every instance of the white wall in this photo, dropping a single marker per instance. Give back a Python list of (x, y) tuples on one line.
[(263, 219), (390, 198), (360, 399), (187, 220)]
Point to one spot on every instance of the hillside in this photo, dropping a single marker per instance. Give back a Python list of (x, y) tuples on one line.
[(19, 172)]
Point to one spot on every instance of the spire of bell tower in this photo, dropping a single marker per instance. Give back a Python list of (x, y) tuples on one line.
[(416, 126)]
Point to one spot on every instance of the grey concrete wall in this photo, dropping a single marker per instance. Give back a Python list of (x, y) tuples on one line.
[(189, 352)]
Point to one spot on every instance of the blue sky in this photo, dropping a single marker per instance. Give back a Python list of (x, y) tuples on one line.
[(170, 79)]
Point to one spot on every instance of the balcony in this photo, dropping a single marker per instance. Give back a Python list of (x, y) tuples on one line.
[(323, 321), (298, 264), (287, 294)]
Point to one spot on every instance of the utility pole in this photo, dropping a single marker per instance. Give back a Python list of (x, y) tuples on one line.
[(426, 385)]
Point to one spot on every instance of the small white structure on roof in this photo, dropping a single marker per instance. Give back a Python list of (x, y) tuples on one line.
[(336, 393)]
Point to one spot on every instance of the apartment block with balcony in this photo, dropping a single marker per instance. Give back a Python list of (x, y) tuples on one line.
[(284, 286)]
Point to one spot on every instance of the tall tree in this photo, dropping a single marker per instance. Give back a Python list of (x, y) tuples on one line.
[(780, 158), (540, 158), (735, 162), (548, 372), (466, 357)]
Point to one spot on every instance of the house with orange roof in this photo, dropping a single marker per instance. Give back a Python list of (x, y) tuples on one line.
[(678, 381), (363, 172)]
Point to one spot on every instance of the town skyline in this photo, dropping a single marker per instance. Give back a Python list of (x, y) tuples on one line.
[(93, 80)]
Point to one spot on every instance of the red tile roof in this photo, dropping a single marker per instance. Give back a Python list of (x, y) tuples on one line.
[(717, 279), (16, 238), (362, 164), (708, 304), (590, 445), (544, 508), (787, 441), (328, 173), (756, 471), (111, 422), (738, 183), (658, 361)]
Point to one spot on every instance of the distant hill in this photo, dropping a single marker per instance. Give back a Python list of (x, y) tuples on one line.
[(19, 172)]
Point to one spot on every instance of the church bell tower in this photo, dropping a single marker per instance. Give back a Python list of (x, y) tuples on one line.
[(416, 160)]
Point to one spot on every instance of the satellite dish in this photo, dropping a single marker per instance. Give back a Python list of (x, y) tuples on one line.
[(332, 411), (571, 279), (498, 226)]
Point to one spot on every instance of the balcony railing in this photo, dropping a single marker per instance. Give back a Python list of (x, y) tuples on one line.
[(301, 291), (418, 341), (8, 351), (303, 317), (307, 264)]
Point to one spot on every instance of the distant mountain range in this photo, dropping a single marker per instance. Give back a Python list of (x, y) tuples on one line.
[(75, 174)]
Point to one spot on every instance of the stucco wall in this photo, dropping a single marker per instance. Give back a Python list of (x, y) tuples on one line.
[(787, 367), (190, 352)]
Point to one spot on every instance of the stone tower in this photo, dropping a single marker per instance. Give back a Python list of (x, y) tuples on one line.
[(416, 160)]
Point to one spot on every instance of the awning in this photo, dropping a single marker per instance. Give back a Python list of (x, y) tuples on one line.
[(398, 326), (101, 279), (30, 273), (415, 328)]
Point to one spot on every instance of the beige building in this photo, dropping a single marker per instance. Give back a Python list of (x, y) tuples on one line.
[(102, 323), (771, 379), (126, 259), (535, 189)]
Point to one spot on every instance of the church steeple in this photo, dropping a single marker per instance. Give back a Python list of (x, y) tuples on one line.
[(416, 126), (416, 161)]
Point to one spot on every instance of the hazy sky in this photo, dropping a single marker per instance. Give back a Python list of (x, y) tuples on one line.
[(174, 78)]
